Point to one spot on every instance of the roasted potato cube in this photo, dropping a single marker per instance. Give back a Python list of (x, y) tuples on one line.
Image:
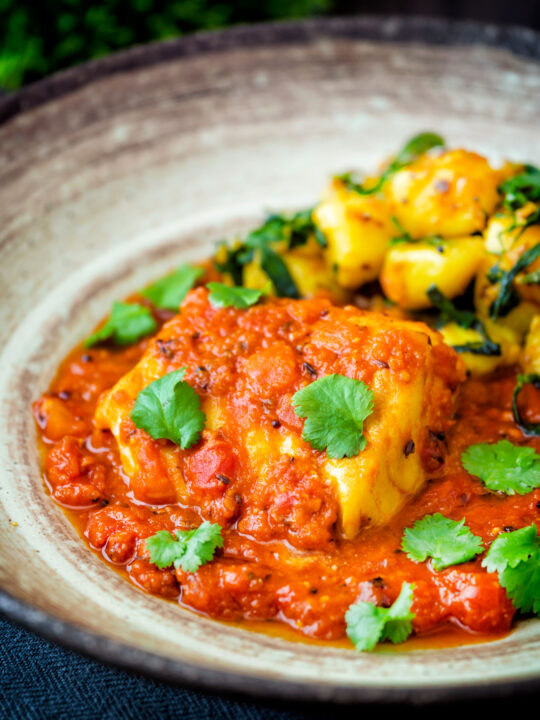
[(508, 340), (505, 230), (449, 194), (358, 229), (409, 269), (518, 319)]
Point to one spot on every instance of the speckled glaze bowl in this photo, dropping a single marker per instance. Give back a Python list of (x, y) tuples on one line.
[(112, 173)]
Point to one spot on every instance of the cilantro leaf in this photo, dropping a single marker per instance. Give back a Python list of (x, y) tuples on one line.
[(522, 584), (365, 625), (368, 624), (170, 291), (127, 323), (170, 409), (189, 549), (516, 558), (294, 229), (503, 466), (417, 146), (510, 548), (335, 407), (163, 548), (528, 428), (201, 545), (222, 296), (447, 542), (399, 617), (522, 188)]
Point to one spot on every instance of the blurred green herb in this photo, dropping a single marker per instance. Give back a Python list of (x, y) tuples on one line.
[(507, 297), (522, 188), (294, 230), (465, 319)]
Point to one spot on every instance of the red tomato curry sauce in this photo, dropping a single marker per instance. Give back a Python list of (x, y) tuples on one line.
[(259, 574)]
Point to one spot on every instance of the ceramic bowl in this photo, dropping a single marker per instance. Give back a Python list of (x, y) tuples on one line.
[(115, 171)]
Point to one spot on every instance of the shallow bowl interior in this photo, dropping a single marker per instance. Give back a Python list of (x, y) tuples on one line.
[(115, 172)]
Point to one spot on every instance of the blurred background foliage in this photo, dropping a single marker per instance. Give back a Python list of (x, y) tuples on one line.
[(38, 37)]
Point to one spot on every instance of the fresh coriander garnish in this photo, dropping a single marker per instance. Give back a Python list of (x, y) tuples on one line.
[(507, 297), (171, 290), (465, 319), (335, 408), (231, 262), (410, 152), (448, 311), (170, 409), (522, 380), (522, 188), (293, 230), (189, 549), (515, 556), (277, 271), (127, 323), (415, 147), (368, 624), (503, 466), (222, 296), (447, 542)]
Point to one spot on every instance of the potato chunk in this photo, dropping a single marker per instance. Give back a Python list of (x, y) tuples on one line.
[(505, 337), (252, 465), (449, 194), (358, 230), (411, 268), (506, 230)]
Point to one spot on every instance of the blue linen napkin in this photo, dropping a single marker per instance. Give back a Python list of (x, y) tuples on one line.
[(41, 681)]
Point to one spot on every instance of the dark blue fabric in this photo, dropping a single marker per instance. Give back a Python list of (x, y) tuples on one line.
[(41, 681)]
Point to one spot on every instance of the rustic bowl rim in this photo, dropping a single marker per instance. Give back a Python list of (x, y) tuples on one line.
[(519, 40), (431, 31)]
